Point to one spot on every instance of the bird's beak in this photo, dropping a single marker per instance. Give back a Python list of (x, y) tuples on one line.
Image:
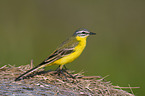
[(91, 33)]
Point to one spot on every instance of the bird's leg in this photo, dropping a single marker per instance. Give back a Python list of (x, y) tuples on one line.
[(65, 67), (60, 70), (68, 74)]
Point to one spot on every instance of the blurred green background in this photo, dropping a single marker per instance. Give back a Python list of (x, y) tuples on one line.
[(32, 29)]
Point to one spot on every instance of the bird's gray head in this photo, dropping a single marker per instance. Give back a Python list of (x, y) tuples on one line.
[(83, 32)]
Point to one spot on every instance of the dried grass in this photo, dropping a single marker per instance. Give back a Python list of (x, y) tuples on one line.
[(82, 85)]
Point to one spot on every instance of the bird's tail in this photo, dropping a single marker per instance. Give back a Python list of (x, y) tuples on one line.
[(46, 62), (29, 72)]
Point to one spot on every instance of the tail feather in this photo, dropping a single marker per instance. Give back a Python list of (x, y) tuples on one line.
[(41, 65), (28, 72)]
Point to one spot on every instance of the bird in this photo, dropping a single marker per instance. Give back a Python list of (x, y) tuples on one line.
[(67, 52)]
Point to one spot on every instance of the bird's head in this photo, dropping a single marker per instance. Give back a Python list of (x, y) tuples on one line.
[(83, 33)]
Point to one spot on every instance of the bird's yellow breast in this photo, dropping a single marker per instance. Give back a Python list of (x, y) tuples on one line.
[(77, 51)]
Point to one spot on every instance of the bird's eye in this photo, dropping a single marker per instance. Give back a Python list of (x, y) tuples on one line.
[(83, 32)]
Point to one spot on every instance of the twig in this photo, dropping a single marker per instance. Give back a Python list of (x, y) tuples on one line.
[(131, 89), (3, 67), (103, 78), (31, 64), (125, 87), (89, 77)]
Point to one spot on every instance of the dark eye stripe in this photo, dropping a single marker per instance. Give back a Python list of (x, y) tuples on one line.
[(82, 32)]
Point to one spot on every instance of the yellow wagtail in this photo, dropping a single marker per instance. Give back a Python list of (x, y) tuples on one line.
[(67, 52)]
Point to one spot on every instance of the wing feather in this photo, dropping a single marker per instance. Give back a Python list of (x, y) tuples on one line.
[(66, 48)]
